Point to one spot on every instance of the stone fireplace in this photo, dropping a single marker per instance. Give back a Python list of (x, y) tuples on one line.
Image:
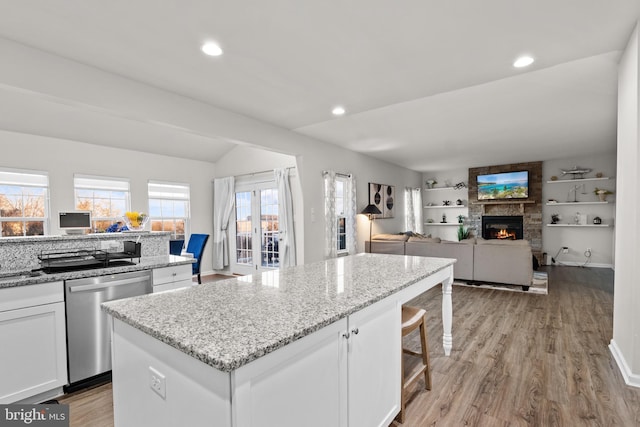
[(530, 210), (502, 227)]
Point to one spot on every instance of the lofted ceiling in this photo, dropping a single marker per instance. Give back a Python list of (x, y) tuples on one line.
[(427, 85)]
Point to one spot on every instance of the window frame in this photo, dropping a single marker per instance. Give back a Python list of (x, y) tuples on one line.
[(341, 216), (104, 183), (171, 196), (40, 180)]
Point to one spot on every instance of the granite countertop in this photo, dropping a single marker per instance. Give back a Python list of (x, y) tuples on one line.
[(22, 278), (229, 323)]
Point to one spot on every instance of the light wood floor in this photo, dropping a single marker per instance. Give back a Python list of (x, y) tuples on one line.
[(517, 360)]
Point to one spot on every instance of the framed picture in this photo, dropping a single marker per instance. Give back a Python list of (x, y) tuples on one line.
[(389, 201), (376, 198), (383, 197)]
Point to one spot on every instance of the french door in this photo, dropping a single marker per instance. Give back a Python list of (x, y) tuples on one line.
[(255, 246)]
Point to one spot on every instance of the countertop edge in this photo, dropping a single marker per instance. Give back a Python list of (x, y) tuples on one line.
[(146, 263), (229, 366)]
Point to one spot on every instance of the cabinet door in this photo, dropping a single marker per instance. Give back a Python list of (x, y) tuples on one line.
[(301, 384), (374, 364), (32, 352)]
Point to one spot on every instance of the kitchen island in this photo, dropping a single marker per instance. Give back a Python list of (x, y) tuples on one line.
[(314, 345)]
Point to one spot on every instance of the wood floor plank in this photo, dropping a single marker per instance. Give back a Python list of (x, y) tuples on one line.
[(518, 360)]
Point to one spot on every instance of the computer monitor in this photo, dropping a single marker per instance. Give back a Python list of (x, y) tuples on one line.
[(75, 222)]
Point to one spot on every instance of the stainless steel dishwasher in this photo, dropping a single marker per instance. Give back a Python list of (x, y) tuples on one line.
[(88, 332)]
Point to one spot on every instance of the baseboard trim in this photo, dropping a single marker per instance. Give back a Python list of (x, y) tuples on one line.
[(630, 378), (581, 264)]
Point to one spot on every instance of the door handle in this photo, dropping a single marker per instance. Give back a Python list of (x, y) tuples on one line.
[(104, 285)]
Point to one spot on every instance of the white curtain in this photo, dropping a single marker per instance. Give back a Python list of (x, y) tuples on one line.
[(287, 241), (413, 209), (223, 201), (331, 219), (350, 213)]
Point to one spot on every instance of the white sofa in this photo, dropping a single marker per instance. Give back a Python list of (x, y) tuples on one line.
[(496, 261)]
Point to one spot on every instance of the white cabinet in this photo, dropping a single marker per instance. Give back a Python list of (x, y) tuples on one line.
[(305, 380), (346, 374), (374, 365), (174, 277), (33, 342)]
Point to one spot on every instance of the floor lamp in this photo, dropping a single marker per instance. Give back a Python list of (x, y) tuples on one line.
[(369, 211)]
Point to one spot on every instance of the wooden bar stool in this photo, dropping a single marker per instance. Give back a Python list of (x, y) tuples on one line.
[(413, 318)]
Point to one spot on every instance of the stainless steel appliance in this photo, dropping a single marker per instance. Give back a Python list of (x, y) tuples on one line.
[(88, 332)]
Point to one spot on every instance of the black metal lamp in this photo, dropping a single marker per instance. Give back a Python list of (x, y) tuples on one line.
[(369, 211)]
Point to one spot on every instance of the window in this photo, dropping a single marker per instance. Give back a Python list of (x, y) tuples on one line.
[(107, 199), (341, 221), (169, 208), (24, 203), (340, 214)]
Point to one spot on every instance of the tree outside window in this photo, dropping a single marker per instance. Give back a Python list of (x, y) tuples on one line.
[(106, 198), (23, 203)]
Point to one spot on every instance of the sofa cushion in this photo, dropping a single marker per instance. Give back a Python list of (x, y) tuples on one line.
[(424, 239), (392, 237)]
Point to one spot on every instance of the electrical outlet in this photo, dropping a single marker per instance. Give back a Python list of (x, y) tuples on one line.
[(565, 250), (157, 382)]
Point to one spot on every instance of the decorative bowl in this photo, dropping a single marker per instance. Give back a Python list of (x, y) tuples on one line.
[(135, 221)]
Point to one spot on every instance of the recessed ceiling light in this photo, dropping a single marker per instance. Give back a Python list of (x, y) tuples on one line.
[(523, 61), (212, 49), (338, 111)]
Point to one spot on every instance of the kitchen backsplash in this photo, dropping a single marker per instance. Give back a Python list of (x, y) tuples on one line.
[(21, 253)]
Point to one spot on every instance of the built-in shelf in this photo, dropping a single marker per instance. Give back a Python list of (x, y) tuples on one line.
[(580, 225), (558, 181), (444, 188), (447, 207), (439, 223), (576, 203), (505, 202)]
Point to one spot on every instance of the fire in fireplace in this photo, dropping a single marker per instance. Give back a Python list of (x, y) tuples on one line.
[(502, 227)]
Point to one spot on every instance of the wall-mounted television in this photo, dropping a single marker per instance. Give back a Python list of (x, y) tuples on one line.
[(75, 222), (507, 185)]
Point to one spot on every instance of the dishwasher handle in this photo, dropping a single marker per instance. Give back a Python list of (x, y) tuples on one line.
[(105, 285)]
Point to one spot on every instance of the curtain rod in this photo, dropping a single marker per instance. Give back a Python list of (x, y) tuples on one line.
[(344, 175), (262, 172)]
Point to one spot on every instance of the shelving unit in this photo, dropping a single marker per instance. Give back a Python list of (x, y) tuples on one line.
[(597, 205), (558, 181), (580, 225), (436, 196), (575, 203)]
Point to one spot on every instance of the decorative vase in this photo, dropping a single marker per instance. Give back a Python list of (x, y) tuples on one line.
[(135, 221), (602, 197)]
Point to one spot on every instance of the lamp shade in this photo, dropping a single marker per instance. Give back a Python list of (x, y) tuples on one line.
[(371, 210)]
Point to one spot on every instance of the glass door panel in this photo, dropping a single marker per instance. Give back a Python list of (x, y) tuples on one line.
[(269, 228), (244, 251), (255, 247)]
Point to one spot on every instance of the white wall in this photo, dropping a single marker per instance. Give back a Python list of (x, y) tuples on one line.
[(311, 161), (625, 344), (578, 240), (62, 158)]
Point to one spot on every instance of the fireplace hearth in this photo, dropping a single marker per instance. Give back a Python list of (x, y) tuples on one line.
[(502, 227)]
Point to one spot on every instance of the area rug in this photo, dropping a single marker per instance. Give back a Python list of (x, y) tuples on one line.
[(539, 285)]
